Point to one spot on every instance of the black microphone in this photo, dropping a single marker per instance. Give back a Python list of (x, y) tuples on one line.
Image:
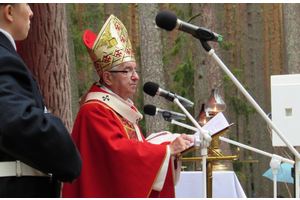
[(169, 21), (152, 110), (153, 89)]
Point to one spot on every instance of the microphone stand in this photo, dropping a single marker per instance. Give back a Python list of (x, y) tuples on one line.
[(247, 95), (205, 138), (211, 52), (274, 163)]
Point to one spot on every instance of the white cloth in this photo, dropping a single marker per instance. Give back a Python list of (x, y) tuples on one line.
[(225, 185)]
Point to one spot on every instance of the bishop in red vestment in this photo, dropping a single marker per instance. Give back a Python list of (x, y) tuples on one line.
[(117, 161)]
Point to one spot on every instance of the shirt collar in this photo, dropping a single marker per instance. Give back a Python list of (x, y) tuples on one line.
[(9, 37)]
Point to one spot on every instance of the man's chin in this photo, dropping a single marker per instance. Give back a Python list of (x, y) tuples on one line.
[(133, 91)]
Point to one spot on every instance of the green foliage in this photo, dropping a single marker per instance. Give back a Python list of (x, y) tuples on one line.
[(226, 45), (179, 41), (140, 106), (142, 123), (180, 12), (90, 17), (79, 47), (240, 175), (184, 78), (238, 166), (183, 82), (240, 106), (125, 8)]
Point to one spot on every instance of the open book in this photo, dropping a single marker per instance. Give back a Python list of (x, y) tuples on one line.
[(218, 125)]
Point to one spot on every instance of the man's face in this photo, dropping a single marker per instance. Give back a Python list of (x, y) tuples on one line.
[(21, 14), (123, 85)]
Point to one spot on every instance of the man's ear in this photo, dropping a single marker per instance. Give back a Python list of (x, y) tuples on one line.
[(8, 13), (106, 76)]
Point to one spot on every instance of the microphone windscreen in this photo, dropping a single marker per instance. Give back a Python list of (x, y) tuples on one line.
[(150, 110), (150, 88), (166, 20)]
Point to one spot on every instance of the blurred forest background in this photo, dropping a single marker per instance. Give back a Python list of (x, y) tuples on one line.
[(259, 40)]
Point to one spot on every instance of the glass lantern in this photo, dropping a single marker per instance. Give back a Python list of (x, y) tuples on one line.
[(202, 118), (215, 103)]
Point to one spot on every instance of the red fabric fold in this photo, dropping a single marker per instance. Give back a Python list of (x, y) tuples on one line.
[(113, 165)]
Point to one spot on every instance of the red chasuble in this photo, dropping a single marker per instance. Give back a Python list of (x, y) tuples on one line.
[(114, 163)]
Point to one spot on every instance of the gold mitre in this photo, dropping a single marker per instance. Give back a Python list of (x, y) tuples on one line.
[(111, 47)]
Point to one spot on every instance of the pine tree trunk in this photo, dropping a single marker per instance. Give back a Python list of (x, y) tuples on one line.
[(152, 65), (46, 54), (291, 28), (73, 71)]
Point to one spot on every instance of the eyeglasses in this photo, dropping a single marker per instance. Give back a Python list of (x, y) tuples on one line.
[(126, 73)]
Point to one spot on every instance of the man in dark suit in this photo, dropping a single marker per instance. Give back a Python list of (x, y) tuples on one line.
[(36, 150)]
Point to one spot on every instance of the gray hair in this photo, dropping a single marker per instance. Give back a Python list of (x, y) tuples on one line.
[(115, 67)]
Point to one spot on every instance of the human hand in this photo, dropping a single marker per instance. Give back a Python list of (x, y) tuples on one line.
[(180, 143)]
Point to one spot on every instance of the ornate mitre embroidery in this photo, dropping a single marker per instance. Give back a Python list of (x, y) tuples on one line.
[(111, 47)]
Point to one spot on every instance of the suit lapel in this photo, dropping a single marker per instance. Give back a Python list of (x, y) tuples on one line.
[(7, 44)]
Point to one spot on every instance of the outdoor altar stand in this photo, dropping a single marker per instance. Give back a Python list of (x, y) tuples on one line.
[(225, 185)]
